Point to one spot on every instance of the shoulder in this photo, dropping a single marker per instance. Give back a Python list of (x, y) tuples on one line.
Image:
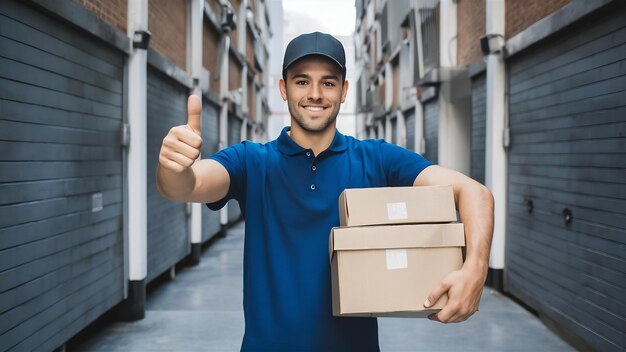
[(248, 147), (368, 146), (365, 144)]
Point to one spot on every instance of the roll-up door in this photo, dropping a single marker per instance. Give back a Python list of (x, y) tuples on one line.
[(210, 145), (61, 239), (168, 239), (479, 113), (234, 129), (234, 137), (410, 129), (566, 224), (431, 130)]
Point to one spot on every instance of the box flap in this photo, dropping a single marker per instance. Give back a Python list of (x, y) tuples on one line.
[(396, 205), (397, 236)]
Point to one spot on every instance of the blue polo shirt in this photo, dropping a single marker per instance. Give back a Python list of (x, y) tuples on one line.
[(289, 200)]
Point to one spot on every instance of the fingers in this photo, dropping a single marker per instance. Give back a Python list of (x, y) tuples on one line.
[(194, 110), (435, 294), (452, 313), (464, 288), (177, 159), (180, 159), (456, 309), (180, 149), (172, 146), (181, 146)]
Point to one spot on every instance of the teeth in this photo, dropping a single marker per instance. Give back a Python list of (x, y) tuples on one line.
[(314, 108)]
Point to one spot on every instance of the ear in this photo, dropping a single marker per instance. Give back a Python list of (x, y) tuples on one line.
[(344, 91), (283, 89)]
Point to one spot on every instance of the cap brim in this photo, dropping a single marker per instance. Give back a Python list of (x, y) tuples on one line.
[(343, 69)]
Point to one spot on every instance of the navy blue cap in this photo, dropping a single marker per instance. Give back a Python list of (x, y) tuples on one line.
[(315, 43)]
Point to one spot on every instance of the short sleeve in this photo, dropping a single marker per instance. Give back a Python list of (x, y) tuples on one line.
[(233, 159), (401, 165)]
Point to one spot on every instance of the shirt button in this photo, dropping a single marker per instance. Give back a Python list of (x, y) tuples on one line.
[(308, 153), (312, 187), (313, 167)]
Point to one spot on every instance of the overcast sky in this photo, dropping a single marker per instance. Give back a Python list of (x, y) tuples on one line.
[(336, 17), (331, 16)]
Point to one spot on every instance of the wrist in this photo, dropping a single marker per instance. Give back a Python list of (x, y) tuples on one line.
[(476, 266)]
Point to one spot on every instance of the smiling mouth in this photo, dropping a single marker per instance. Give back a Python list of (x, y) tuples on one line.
[(314, 108)]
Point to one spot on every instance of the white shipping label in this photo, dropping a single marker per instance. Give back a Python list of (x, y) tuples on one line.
[(397, 211), (396, 259)]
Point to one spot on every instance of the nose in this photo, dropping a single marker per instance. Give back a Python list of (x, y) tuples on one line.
[(315, 92)]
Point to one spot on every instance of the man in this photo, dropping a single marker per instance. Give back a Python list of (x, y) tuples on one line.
[(288, 192)]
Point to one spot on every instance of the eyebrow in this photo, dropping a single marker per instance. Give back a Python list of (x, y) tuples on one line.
[(326, 77)]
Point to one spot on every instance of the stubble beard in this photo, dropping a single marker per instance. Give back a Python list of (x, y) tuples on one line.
[(302, 123)]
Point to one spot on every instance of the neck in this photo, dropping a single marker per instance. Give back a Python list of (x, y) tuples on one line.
[(317, 141)]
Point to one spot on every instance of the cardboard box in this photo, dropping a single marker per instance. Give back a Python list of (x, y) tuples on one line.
[(396, 205), (389, 270)]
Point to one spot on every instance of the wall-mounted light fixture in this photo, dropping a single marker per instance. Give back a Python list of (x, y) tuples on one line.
[(141, 39), (229, 19), (491, 44)]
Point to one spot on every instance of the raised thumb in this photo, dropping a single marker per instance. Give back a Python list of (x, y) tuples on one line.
[(194, 110)]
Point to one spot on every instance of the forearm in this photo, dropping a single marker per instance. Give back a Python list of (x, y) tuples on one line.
[(175, 185), (475, 204)]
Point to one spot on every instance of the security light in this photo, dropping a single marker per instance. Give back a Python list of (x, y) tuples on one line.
[(491, 44), (141, 39)]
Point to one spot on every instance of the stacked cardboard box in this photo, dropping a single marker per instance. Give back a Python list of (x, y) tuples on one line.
[(393, 247)]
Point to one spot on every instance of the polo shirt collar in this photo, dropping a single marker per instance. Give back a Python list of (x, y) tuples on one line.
[(287, 146)]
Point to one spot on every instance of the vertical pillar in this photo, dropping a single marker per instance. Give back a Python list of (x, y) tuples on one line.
[(195, 52), (454, 110), (137, 169), (495, 153), (241, 47), (420, 141), (224, 109), (388, 129), (418, 64)]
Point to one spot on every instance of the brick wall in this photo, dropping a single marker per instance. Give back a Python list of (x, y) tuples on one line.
[(210, 48), (522, 14), (471, 26), (113, 12), (216, 7), (234, 73), (234, 35), (167, 20)]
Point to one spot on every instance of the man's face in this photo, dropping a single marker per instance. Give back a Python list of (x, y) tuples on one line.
[(314, 92)]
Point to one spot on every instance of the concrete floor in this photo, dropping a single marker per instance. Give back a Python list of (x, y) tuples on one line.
[(200, 310)]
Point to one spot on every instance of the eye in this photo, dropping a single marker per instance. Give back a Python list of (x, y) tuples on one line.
[(301, 83), (328, 84)]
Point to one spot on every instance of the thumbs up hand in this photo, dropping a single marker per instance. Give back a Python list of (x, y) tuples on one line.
[(181, 146)]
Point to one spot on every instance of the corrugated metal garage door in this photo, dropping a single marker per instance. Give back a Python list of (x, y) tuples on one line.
[(210, 145), (410, 129), (234, 137), (479, 113), (168, 239), (431, 130), (61, 240), (568, 152)]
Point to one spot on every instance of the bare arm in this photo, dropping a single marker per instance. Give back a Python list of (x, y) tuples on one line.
[(475, 204), (180, 176)]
